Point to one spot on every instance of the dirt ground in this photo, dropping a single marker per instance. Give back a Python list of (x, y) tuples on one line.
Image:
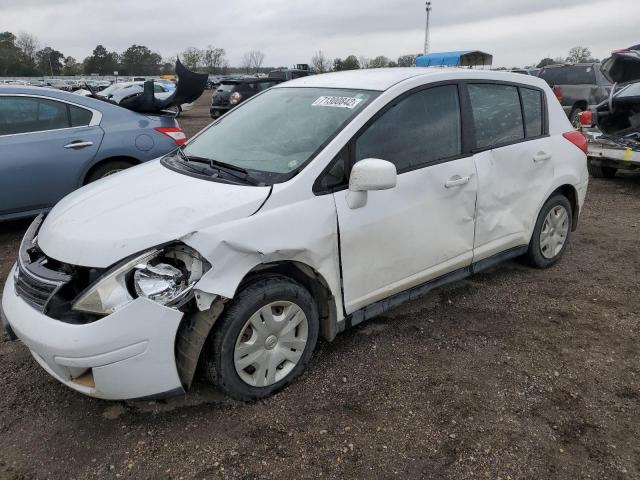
[(515, 373)]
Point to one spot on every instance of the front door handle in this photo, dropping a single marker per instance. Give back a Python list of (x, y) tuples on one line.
[(541, 157), (78, 144), (457, 181)]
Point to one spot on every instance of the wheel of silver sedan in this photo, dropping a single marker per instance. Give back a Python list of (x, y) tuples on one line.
[(271, 344), (554, 232)]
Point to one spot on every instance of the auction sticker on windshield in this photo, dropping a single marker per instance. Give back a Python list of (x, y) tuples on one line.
[(339, 102)]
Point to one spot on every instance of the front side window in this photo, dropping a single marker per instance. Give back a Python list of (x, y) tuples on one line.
[(29, 114), (420, 129), (275, 134), (497, 114)]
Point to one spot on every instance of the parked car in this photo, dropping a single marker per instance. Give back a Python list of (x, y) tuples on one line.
[(534, 71), (123, 90), (213, 82), (231, 93), (285, 74), (613, 127), (53, 142), (578, 87), (316, 205)]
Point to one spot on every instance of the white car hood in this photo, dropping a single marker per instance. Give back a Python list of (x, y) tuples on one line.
[(138, 209)]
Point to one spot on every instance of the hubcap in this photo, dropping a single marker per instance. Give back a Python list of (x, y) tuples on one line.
[(271, 344), (554, 232)]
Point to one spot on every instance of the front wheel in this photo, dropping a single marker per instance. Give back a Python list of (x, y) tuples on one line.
[(551, 233), (264, 340)]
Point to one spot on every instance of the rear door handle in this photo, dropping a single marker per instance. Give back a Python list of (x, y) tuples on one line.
[(541, 157), (77, 145), (457, 181)]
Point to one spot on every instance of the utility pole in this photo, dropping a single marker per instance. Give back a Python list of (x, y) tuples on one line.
[(426, 31)]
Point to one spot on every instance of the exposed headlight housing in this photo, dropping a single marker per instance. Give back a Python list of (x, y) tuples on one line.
[(164, 275)]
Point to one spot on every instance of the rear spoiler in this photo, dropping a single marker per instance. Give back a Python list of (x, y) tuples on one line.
[(190, 87)]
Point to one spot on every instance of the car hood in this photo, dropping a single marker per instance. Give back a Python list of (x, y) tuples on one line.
[(138, 209)]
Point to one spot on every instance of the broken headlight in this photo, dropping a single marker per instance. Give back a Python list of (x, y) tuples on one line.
[(165, 276)]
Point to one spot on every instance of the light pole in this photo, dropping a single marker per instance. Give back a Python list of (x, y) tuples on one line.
[(426, 30)]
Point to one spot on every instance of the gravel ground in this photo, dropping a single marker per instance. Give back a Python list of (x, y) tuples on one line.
[(514, 373)]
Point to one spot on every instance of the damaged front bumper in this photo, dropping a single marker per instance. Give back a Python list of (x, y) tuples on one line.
[(126, 355)]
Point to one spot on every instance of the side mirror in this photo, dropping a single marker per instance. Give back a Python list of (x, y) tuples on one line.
[(370, 174)]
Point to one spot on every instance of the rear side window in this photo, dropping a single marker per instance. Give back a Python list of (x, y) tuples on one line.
[(532, 107), (422, 128), (27, 114), (80, 117), (554, 76), (497, 114), (581, 74)]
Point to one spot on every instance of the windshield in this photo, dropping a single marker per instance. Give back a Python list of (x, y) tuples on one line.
[(632, 90), (279, 131), (226, 87)]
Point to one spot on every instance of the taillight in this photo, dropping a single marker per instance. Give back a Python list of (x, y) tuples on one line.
[(586, 119), (235, 98), (557, 91), (578, 139), (175, 133)]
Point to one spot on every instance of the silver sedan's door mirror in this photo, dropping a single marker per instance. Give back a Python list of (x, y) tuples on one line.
[(370, 174)]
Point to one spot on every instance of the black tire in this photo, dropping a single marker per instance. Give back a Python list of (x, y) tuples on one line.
[(575, 116), (534, 255), (106, 169), (600, 171), (218, 355)]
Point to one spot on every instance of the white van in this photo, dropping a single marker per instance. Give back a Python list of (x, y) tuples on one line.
[(314, 206)]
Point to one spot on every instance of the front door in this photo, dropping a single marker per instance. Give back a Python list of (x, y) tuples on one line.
[(45, 145), (424, 227)]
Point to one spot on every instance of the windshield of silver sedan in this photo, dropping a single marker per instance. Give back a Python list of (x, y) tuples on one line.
[(274, 135)]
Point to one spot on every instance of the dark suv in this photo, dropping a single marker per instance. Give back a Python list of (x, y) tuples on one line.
[(231, 93), (578, 87)]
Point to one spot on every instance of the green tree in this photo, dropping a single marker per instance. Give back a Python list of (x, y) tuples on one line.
[(407, 61), (545, 62), (10, 55), (379, 62), (350, 63), (71, 66), (139, 60), (337, 64), (49, 61), (101, 62)]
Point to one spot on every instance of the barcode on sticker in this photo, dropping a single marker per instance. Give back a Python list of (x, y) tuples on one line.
[(339, 102)]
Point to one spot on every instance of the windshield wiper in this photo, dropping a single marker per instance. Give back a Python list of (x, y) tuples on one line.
[(229, 169)]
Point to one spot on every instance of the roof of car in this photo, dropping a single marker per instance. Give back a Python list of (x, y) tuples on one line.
[(57, 94), (381, 79)]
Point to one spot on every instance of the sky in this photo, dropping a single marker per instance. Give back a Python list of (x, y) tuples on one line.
[(516, 32)]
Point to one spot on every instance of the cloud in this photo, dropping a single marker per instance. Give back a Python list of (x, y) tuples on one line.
[(516, 32)]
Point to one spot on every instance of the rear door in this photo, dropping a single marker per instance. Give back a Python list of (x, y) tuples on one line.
[(423, 228), (514, 162), (45, 145)]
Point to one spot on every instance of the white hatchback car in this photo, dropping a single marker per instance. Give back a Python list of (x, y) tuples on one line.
[(314, 206)]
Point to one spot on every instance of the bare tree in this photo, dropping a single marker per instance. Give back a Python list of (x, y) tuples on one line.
[(192, 58), (28, 45), (252, 60), (320, 63), (579, 54), (213, 59), (364, 62)]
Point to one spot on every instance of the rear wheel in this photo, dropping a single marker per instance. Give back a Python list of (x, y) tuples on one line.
[(551, 233), (600, 171), (264, 340), (106, 169)]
